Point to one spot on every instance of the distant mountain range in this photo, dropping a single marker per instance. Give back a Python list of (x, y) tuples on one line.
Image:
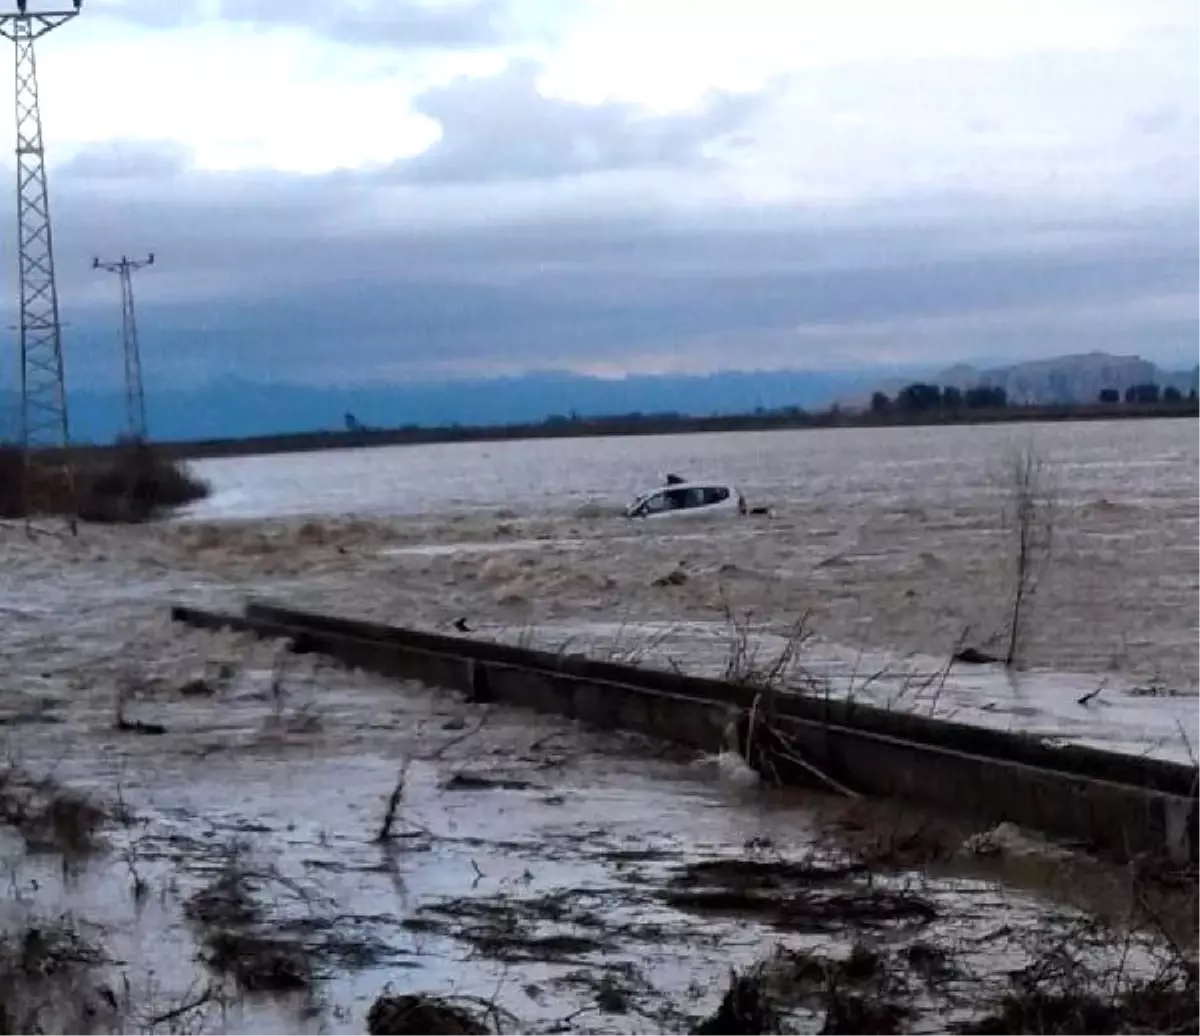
[(1057, 379), (234, 408)]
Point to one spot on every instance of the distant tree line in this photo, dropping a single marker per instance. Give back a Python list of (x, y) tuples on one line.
[(923, 398), (917, 403), (1145, 393)]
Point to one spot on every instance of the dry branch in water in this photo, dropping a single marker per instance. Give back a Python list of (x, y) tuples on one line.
[(393, 805), (1029, 516), (396, 796), (126, 691), (766, 746), (182, 1016)]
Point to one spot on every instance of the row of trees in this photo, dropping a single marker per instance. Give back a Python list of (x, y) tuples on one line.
[(1147, 393), (923, 398)]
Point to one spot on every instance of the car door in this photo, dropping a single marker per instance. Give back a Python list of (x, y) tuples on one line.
[(652, 506)]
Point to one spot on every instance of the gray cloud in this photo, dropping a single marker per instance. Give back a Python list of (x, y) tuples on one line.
[(263, 276), (128, 160), (503, 128), (903, 210)]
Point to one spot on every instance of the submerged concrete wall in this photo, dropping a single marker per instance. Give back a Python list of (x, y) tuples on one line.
[(1118, 805)]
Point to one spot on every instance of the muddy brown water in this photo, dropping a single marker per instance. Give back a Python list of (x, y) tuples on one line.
[(890, 542), (547, 875), (559, 873)]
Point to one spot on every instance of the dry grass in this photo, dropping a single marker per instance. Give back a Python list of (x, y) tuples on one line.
[(878, 990), (49, 981), (240, 937), (49, 817), (419, 1013), (864, 992), (1058, 993), (799, 896), (55, 976), (749, 664), (134, 482), (259, 963)]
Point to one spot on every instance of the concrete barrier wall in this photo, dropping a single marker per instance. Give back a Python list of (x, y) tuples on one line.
[(1087, 762), (1114, 817), (1121, 819)]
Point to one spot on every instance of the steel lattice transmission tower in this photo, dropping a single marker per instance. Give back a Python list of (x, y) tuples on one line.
[(43, 418), (135, 395)]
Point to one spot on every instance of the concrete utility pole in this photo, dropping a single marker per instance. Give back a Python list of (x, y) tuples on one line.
[(135, 396), (43, 417)]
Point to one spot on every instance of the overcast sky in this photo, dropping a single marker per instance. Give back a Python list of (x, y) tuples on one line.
[(390, 189)]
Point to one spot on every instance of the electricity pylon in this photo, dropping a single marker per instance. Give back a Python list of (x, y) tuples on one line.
[(43, 417), (135, 396)]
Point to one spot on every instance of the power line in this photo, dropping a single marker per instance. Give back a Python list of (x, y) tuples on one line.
[(135, 395), (43, 418)]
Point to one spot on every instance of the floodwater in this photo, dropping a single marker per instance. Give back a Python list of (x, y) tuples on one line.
[(555, 873), (890, 548), (550, 878)]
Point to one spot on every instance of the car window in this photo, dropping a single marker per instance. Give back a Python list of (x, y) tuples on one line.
[(679, 499)]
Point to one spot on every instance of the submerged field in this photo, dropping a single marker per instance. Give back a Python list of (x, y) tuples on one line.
[(571, 879)]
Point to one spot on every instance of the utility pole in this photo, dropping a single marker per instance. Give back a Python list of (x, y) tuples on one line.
[(43, 418), (135, 396)]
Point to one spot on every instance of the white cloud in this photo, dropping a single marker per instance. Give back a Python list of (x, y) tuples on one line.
[(881, 97), (237, 97), (668, 52)]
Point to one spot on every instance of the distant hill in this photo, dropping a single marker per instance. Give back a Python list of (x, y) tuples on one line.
[(235, 408), (1058, 379)]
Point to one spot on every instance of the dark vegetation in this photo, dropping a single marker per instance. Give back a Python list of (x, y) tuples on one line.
[(917, 404), (798, 897), (130, 482), (416, 1013), (872, 990), (49, 817), (950, 403), (47, 970)]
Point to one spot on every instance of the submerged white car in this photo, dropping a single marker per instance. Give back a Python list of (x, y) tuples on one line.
[(688, 498)]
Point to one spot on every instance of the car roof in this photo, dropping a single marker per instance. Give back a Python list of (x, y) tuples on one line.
[(711, 484)]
